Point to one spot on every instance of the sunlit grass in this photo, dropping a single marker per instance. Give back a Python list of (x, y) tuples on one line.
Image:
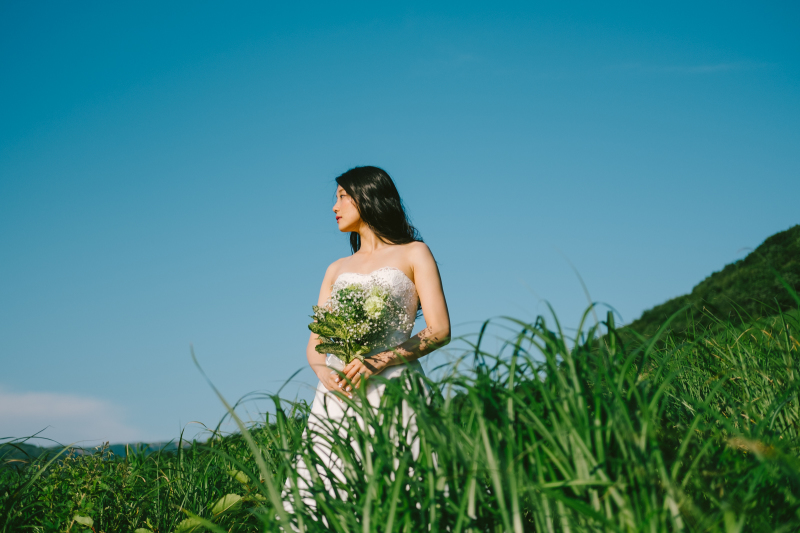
[(697, 432)]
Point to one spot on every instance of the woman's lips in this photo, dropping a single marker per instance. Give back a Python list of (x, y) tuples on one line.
[(337, 219)]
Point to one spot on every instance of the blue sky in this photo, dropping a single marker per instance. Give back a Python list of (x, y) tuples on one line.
[(166, 177)]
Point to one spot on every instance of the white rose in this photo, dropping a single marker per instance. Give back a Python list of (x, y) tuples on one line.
[(373, 306)]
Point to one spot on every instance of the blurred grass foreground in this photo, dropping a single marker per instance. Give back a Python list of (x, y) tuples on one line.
[(690, 429)]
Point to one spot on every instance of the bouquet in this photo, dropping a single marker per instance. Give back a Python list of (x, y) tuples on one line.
[(357, 319)]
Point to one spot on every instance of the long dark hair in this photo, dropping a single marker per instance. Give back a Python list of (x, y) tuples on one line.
[(379, 205)]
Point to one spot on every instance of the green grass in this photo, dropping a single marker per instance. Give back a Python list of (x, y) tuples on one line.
[(691, 432)]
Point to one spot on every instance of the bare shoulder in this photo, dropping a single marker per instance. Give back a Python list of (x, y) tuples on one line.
[(335, 268), (418, 251), (422, 262), (331, 273)]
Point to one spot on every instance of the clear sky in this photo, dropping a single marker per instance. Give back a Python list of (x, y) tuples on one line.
[(166, 177)]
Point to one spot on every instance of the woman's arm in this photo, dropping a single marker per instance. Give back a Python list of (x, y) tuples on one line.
[(437, 319), (316, 360)]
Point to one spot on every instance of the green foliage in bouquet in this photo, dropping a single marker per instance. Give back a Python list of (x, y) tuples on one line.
[(357, 319)]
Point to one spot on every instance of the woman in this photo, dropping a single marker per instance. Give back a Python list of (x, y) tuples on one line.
[(386, 249)]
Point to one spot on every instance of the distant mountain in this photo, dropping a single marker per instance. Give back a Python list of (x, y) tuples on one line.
[(742, 290), (20, 453)]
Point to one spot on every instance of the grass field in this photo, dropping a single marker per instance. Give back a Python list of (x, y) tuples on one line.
[(690, 432)]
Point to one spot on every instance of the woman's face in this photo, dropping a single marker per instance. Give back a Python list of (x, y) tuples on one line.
[(347, 216)]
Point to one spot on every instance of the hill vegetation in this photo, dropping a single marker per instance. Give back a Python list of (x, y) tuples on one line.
[(742, 291)]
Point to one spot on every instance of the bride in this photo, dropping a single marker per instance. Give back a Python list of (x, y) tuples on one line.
[(388, 250)]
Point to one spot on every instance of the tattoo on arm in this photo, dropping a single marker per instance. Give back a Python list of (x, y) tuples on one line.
[(417, 346)]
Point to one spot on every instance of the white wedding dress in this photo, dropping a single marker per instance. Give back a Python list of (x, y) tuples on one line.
[(328, 413)]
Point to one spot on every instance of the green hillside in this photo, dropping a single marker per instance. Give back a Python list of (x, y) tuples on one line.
[(742, 290)]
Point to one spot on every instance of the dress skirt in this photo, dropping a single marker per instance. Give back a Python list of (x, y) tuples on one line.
[(328, 415)]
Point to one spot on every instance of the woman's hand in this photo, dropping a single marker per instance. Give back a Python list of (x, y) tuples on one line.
[(330, 380), (356, 372)]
